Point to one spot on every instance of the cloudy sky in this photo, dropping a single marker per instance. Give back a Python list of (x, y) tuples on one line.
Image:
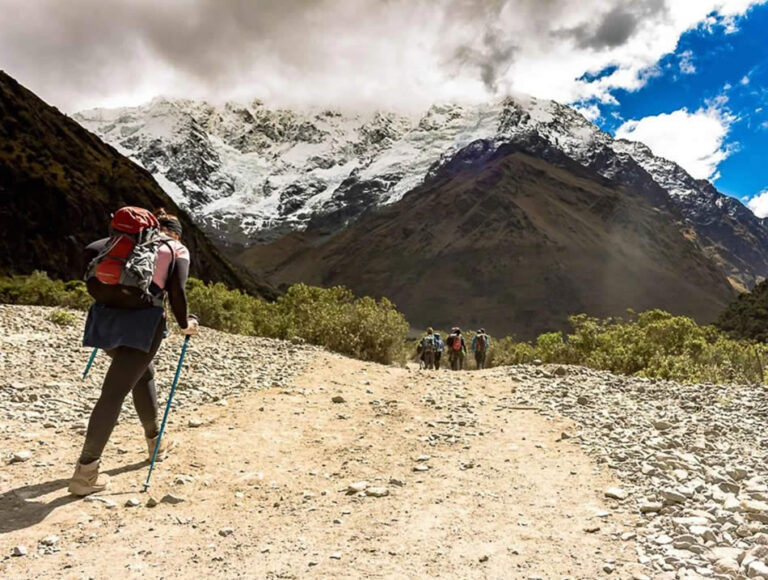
[(688, 77)]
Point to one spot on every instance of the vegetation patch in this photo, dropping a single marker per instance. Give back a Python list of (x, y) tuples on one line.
[(364, 328)]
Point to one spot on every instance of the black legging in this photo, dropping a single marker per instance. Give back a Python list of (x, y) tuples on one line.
[(131, 371)]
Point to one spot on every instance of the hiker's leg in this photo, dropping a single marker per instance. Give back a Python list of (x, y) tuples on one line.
[(145, 402), (127, 368), (438, 355)]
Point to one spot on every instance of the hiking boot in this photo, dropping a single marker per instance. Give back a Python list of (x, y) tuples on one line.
[(162, 453), (87, 479)]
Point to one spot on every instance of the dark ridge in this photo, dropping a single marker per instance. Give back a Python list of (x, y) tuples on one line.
[(59, 184)]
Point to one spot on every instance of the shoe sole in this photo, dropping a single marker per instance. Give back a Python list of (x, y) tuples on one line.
[(84, 490)]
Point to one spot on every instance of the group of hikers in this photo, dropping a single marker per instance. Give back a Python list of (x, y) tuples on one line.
[(431, 347)]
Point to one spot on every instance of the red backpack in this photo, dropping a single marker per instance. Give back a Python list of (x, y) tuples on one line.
[(456, 344), (120, 275)]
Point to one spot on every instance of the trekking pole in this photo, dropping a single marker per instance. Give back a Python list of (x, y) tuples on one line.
[(167, 410), (90, 363)]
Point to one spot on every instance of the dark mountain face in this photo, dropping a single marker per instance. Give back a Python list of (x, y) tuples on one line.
[(730, 234), (58, 186), (514, 239)]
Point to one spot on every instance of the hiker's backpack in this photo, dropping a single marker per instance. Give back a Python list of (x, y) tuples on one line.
[(121, 274), (456, 342), (482, 342), (428, 343)]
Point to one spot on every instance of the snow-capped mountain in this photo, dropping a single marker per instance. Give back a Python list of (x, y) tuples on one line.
[(249, 173)]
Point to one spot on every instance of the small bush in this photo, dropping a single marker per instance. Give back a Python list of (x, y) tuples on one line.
[(651, 344), (331, 317), (38, 289), (62, 318)]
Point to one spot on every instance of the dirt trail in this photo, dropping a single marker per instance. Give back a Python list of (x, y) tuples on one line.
[(263, 483)]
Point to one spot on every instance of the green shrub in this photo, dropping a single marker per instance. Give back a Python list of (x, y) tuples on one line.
[(334, 318), (38, 289), (651, 344), (62, 318), (331, 317)]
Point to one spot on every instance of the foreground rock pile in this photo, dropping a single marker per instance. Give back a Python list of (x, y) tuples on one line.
[(693, 459), (41, 363)]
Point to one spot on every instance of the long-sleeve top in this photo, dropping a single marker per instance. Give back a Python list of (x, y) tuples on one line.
[(108, 327)]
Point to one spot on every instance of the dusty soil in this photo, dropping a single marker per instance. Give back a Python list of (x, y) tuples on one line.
[(264, 482)]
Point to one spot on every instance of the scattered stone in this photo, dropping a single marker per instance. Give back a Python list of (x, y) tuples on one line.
[(377, 491), (609, 568), (98, 499), (338, 399), (51, 540), (726, 566), (336, 556), (132, 502), (224, 532), (195, 423), (754, 506), (171, 499), (650, 507), (484, 558), (20, 457), (396, 482), (19, 551), (152, 502), (592, 529), (757, 569), (357, 487), (616, 493), (421, 467)]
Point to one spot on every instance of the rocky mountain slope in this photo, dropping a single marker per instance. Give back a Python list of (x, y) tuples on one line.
[(250, 173), (513, 472), (514, 239), (58, 186)]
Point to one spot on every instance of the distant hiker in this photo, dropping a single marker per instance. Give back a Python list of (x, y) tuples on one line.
[(480, 345), (426, 349), (439, 348), (129, 275), (457, 349)]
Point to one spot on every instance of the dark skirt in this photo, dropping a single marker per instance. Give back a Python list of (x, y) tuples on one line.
[(109, 328)]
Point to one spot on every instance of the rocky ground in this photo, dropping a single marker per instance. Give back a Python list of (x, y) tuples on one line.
[(292, 462), (692, 459)]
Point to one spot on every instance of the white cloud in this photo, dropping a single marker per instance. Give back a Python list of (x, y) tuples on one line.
[(393, 53), (696, 141), (759, 204), (590, 112), (686, 63)]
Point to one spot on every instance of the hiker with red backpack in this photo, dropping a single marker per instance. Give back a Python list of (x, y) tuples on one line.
[(457, 349), (480, 345), (129, 275)]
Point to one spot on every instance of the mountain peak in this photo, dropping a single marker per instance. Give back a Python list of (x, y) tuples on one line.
[(251, 172)]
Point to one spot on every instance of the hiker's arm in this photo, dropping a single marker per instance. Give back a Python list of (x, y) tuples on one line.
[(177, 295)]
